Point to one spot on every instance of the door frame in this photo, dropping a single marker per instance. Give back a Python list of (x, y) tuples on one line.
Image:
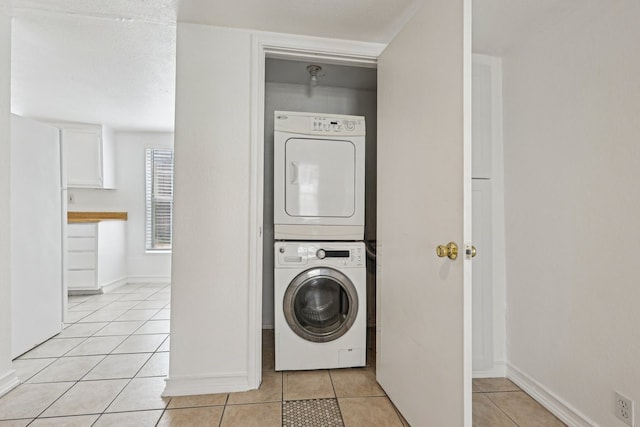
[(270, 45), (344, 52)]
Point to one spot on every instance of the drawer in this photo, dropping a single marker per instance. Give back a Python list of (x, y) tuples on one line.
[(81, 260), (81, 244), (82, 279), (82, 230)]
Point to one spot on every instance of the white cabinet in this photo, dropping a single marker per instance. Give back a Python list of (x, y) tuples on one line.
[(81, 261), (96, 256), (89, 156)]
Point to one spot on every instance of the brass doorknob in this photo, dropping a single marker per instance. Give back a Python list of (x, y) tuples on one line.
[(472, 251), (450, 250)]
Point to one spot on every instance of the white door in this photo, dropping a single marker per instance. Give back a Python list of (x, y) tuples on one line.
[(424, 345), (36, 234)]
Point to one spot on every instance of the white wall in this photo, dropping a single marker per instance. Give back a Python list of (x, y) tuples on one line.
[(572, 156), (210, 269), (214, 314), (7, 375), (323, 99), (129, 196)]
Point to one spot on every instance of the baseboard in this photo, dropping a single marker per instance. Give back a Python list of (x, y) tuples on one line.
[(8, 382), (210, 384), (499, 370), (76, 292), (149, 279), (102, 289), (114, 284), (557, 406)]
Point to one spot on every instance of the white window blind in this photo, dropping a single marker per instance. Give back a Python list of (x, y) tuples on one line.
[(159, 199)]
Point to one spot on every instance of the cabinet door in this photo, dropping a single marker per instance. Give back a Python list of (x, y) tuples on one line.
[(83, 150), (82, 280)]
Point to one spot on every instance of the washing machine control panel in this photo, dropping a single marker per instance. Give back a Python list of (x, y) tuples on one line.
[(340, 255)]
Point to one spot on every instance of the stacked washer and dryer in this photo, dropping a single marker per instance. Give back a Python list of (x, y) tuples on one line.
[(320, 258)]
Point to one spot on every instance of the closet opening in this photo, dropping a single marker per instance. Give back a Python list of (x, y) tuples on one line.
[(324, 87)]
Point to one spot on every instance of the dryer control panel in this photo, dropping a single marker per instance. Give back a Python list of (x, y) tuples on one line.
[(329, 125), (339, 254), (319, 124)]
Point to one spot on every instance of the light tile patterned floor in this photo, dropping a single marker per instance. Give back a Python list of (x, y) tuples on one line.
[(107, 368), (497, 402)]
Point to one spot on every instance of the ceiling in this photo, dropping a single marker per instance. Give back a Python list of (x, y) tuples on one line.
[(295, 72), (113, 61), (93, 66)]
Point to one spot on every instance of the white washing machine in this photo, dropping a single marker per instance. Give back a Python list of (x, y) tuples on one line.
[(319, 176), (320, 305)]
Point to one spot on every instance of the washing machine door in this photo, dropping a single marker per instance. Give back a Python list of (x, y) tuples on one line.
[(321, 304)]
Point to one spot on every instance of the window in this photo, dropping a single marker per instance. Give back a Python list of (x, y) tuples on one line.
[(159, 199)]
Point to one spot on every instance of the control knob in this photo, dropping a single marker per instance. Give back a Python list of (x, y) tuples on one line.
[(321, 254)]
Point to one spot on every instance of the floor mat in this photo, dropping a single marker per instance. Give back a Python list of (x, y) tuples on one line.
[(311, 413)]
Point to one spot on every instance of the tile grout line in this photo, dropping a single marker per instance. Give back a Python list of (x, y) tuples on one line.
[(52, 403), (163, 411), (224, 410), (336, 397), (66, 391), (281, 388), (105, 356), (84, 339), (499, 408), (134, 375), (74, 382)]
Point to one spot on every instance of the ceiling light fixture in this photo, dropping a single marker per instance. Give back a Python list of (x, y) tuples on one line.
[(313, 74)]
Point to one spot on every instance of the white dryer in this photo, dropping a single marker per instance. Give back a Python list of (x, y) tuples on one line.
[(320, 305), (319, 176)]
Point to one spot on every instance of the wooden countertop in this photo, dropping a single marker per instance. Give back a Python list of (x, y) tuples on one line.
[(73, 217)]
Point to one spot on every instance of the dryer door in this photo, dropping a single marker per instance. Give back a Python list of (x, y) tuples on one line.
[(320, 178), (321, 304)]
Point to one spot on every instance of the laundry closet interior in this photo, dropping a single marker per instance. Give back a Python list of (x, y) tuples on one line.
[(327, 90)]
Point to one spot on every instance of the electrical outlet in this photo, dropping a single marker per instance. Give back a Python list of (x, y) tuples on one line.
[(624, 409)]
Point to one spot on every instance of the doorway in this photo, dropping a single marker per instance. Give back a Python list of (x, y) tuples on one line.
[(340, 89), (291, 49)]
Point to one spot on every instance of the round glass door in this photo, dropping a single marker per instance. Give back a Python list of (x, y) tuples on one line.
[(321, 304)]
